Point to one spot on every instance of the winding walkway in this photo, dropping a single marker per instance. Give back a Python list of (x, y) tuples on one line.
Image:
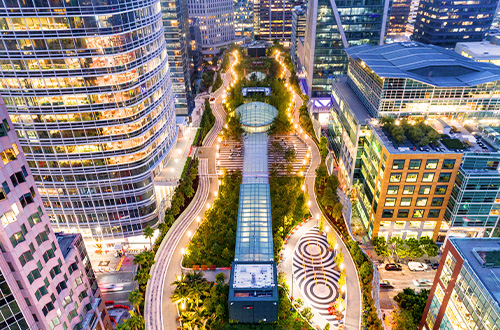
[(352, 320)]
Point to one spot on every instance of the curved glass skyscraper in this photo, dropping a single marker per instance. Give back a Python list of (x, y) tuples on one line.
[(87, 86)]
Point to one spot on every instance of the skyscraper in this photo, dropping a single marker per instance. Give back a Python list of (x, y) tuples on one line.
[(444, 23), (299, 21), (399, 17), (87, 86), (331, 27), (243, 18), (216, 21), (46, 280), (176, 24), (274, 20)]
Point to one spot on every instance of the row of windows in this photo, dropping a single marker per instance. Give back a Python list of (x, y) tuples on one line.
[(420, 201), (422, 190), (431, 164), (426, 177), (433, 213)]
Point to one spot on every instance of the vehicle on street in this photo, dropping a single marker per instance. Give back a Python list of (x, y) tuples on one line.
[(435, 265), (394, 267), (385, 284), (111, 288), (417, 266), (422, 282), (212, 99)]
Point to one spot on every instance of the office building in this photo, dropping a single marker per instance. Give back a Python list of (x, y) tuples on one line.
[(89, 92), (480, 51), (412, 17), (216, 21), (274, 20), (474, 206), (399, 17), (465, 293), (176, 25), (46, 280), (299, 21), (413, 79), (243, 19), (404, 185), (444, 23), (196, 57), (331, 29)]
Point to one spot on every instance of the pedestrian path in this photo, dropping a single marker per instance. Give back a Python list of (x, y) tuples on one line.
[(314, 273), (302, 152), (230, 156)]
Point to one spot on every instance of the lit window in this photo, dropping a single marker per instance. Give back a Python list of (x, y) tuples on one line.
[(405, 201), (421, 201), (428, 177), (411, 177), (395, 177), (418, 214), (408, 190), (431, 164), (391, 201), (393, 190)]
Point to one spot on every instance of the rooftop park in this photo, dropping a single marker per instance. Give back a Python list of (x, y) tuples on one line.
[(419, 133)]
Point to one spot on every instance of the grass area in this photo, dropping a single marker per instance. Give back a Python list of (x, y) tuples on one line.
[(218, 81), (206, 124), (453, 143), (306, 123), (215, 239)]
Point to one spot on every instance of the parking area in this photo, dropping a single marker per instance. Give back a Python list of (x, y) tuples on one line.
[(401, 280)]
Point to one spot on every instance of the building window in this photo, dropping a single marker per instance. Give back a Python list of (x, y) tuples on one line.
[(405, 201), (415, 164), (385, 224), (387, 213), (444, 177), (440, 190), (25, 257), (392, 190), (395, 177), (17, 238), (399, 225), (5, 187), (17, 178), (403, 213), (433, 213), (415, 224), (428, 177), (42, 291), (421, 201), (7, 218), (33, 275), (424, 190), (398, 164), (418, 214), (408, 190), (448, 164), (391, 201), (437, 201), (26, 199), (411, 177), (431, 164)]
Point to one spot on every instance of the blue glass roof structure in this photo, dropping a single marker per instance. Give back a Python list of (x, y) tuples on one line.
[(254, 237), (256, 114), (428, 64)]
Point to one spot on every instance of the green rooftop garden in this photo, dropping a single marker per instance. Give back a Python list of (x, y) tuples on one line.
[(419, 133)]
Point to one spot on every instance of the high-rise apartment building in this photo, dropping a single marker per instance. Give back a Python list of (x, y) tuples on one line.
[(46, 280), (399, 17), (274, 19), (407, 187), (216, 21), (444, 23), (176, 24), (465, 293), (299, 21), (243, 18), (87, 86), (331, 27)]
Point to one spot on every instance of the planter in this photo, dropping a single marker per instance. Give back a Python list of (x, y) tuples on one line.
[(330, 250), (320, 233)]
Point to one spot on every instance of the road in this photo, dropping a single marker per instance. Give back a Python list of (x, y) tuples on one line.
[(352, 319), (160, 312)]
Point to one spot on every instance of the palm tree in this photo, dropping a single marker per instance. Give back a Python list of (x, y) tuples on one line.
[(198, 290), (136, 322), (195, 276), (149, 233), (180, 281), (136, 298), (144, 259), (181, 296), (123, 326)]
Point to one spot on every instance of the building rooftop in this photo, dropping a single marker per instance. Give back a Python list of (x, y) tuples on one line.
[(253, 276), (480, 50), (256, 113), (65, 242), (428, 64), (468, 249), (351, 99)]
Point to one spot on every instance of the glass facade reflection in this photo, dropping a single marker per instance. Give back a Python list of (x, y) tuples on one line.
[(176, 24), (87, 86), (329, 30)]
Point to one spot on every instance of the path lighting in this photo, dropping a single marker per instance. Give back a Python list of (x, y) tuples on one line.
[(183, 251), (304, 162), (308, 203), (208, 205), (342, 266), (336, 246), (301, 131), (327, 229), (198, 219), (295, 126), (219, 182), (216, 193), (303, 187), (216, 155), (183, 306), (343, 288), (189, 233)]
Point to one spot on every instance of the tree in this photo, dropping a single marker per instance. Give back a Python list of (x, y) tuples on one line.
[(321, 224), (381, 247), (144, 259), (414, 250), (181, 296), (149, 233), (234, 128), (339, 258), (399, 247), (413, 302), (220, 278), (366, 272), (136, 322), (342, 279), (337, 211), (142, 277), (323, 147), (429, 246), (330, 238), (136, 299), (403, 320), (339, 304)]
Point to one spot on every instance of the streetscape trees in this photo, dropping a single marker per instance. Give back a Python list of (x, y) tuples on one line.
[(411, 306), (381, 247), (409, 248)]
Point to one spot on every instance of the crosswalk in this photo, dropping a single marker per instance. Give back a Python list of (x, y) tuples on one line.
[(315, 273), (230, 155)]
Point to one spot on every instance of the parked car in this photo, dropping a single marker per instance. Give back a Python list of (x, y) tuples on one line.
[(417, 266), (212, 100), (394, 267), (385, 284), (422, 282), (435, 265)]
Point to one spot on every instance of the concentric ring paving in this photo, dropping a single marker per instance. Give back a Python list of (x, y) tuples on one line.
[(313, 270)]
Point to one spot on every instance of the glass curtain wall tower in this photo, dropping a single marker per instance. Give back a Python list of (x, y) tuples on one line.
[(176, 24), (87, 86), (331, 27)]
